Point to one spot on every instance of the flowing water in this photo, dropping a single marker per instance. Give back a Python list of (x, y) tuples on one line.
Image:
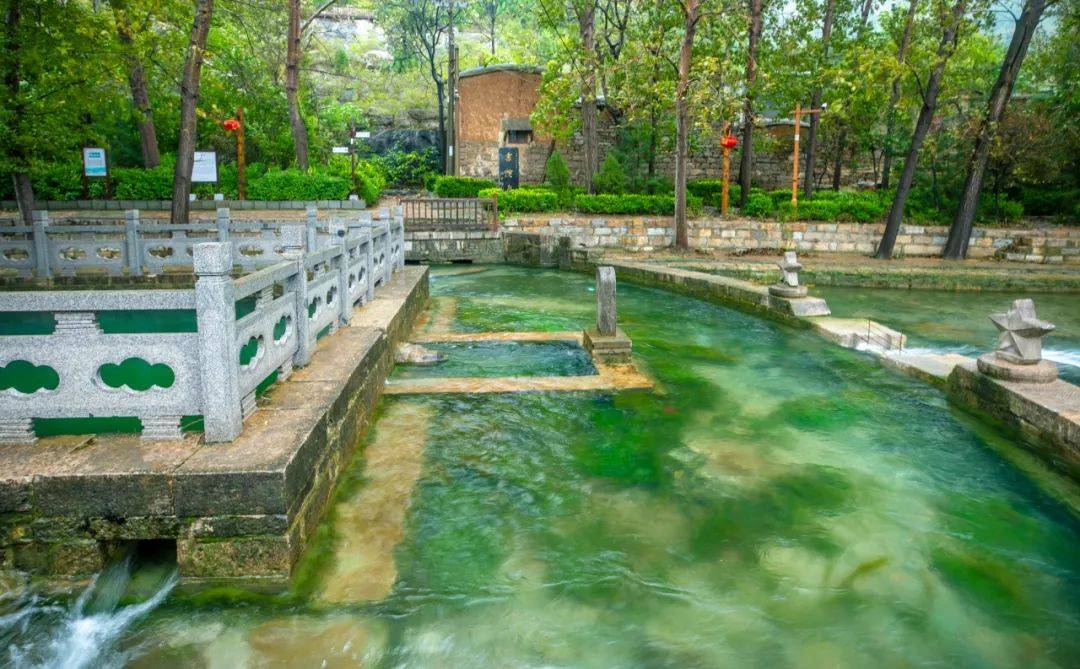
[(957, 322), (776, 502)]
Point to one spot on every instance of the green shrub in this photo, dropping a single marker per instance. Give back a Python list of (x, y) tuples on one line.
[(296, 185), (408, 168), (523, 199), (809, 210), (136, 183), (429, 181), (861, 207), (633, 204), (705, 188), (659, 185), (999, 211), (759, 205), (61, 181), (1048, 201), (556, 173), (450, 186), (611, 178)]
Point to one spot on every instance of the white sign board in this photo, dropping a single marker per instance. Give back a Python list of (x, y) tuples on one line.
[(94, 162), (341, 149), (363, 134), (205, 168)]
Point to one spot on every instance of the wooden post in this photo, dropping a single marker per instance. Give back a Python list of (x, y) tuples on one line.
[(241, 180), (795, 159), (727, 174)]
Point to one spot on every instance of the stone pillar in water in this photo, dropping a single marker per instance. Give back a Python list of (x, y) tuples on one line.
[(606, 342), (605, 301)]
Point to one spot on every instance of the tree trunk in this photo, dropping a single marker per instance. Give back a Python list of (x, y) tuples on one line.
[(587, 24), (292, 86), (922, 127), (24, 190), (894, 96), (838, 159), (960, 232), (691, 11), (140, 96), (189, 101), (746, 158), (440, 91), (815, 101), (494, 9)]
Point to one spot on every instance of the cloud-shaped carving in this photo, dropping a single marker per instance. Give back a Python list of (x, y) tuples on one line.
[(26, 378), (136, 374)]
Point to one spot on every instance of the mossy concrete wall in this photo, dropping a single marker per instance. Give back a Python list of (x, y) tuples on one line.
[(239, 511)]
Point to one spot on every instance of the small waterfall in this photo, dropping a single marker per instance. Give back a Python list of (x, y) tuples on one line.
[(39, 631)]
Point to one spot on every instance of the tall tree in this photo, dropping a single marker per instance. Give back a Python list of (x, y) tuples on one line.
[(189, 102), (815, 99), (946, 47), (292, 86), (894, 95), (140, 93), (18, 158), (960, 232), (752, 43), (585, 15), (691, 10), (418, 27), (842, 136)]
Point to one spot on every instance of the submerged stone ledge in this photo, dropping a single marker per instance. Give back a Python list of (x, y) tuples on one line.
[(241, 510)]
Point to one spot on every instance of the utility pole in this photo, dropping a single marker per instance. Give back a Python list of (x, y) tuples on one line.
[(452, 72)]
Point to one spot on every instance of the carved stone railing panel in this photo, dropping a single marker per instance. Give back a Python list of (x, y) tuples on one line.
[(272, 326), (85, 360)]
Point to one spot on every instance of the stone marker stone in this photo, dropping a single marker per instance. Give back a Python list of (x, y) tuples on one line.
[(605, 301), (606, 342), (1018, 356), (789, 277)]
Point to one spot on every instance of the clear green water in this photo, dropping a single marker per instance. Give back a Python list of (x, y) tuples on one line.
[(958, 321), (487, 359), (780, 503)]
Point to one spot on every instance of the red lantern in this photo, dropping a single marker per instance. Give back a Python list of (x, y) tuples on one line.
[(729, 141), (232, 125)]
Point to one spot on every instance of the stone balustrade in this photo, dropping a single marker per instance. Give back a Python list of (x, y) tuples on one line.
[(133, 247), (310, 285)]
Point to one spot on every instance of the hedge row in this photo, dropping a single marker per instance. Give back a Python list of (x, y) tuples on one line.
[(633, 204), (522, 200), (449, 186), (63, 181)]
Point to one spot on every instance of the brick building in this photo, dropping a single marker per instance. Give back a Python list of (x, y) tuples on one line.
[(495, 102)]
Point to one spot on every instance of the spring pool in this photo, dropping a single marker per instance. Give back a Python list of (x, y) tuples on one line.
[(777, 502)]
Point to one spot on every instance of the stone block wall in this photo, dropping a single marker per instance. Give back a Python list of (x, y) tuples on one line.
[(1054, 244), (442, 246)]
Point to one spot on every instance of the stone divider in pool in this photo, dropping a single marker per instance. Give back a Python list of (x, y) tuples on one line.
[(303, 288), (1048, 414)]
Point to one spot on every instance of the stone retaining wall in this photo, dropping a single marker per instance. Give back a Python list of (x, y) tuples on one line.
[(1050, 244), (443, 246)]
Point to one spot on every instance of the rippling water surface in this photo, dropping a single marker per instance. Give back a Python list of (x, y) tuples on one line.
[(778, 502)]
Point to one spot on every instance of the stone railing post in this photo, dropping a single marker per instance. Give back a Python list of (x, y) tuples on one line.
[(292, 243), (215, 314), (399, 234), (337, 236), (311, 217), (131, 242), (41, 244), (222, 218)]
